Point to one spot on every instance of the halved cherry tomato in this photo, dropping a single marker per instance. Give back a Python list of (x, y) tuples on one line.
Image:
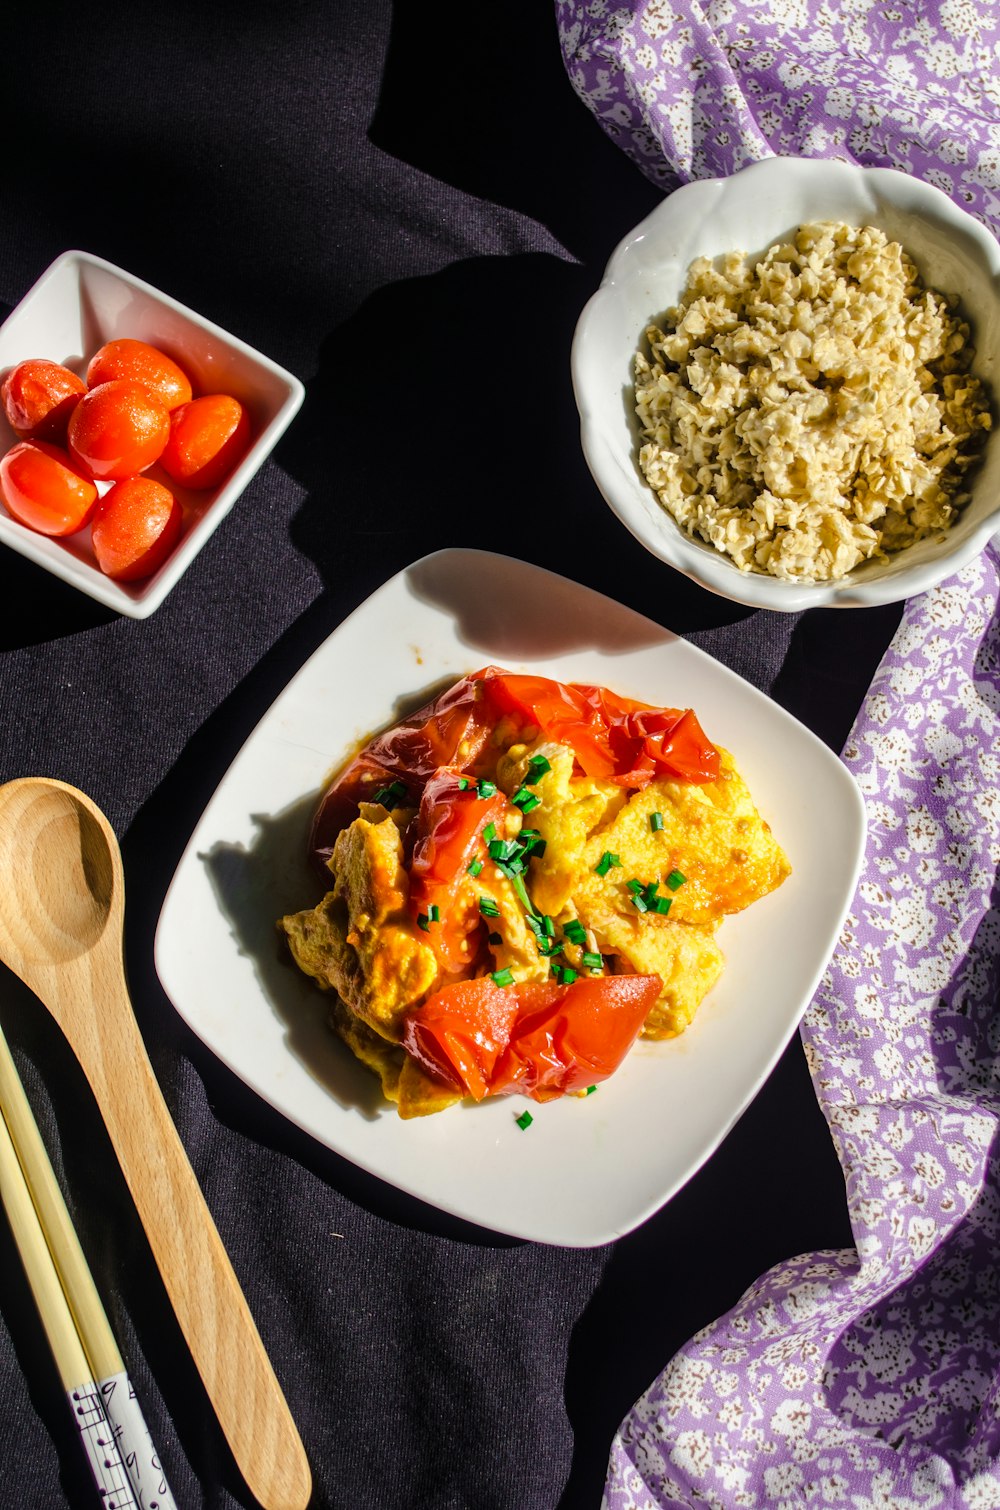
[(208, 437), (140, 363), (540, 1039), (118, 429), (449, 829), (136, 526), (38, 398), (43, 489)]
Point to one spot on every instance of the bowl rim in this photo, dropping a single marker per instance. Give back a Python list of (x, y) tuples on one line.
[(699, 561)]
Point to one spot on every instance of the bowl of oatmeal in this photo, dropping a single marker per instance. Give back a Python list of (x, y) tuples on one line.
[(788, 384)]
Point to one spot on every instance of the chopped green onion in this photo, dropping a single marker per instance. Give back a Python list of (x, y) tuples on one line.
[(464, 783), (494, 938), (502, 977), (390, 795), (435, 913), (662, 905), (474, 868), (649, 894), (488, 907), (485, 788), (424, 922), (524, 1121), (605, 863), (575, 931), (534, 925), (537, 767), (503, 849), (592, 960), (567, 975), (675, 879), (522, 892), (634, 886), (490, 832), (591, 1089), (656, 822), (525, 800), (548, 947), (548, 926)]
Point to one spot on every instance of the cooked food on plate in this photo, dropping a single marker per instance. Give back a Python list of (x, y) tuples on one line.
[(813, 408), (521, 878)]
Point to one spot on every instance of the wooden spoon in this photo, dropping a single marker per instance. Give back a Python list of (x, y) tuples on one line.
[(62, 908)]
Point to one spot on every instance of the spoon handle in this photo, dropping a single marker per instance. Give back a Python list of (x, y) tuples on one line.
[(196, 1270)]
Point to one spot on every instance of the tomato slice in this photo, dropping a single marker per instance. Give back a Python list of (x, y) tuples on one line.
[(613, 738), (450, 730), (449, 831), (540, 1039)]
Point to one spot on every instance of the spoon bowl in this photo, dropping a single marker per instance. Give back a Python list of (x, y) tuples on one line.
[(62, 908)]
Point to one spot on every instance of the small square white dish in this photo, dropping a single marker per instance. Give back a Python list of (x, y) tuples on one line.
[(589, 1169), (747, 212), (82, 301)]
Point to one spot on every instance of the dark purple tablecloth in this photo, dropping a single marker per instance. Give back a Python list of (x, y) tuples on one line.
[(407, 207)]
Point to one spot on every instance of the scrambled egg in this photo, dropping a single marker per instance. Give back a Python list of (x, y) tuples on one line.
[(701, 851)]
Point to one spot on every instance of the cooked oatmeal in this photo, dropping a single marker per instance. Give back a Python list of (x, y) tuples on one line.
[(813, 409)]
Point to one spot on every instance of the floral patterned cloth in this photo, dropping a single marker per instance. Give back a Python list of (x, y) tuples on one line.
[(871, 1377)]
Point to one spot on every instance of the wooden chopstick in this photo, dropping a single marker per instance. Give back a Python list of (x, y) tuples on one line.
[(105, 1408)]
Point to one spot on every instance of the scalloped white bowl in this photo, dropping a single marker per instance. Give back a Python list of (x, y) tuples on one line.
[(747, 212)]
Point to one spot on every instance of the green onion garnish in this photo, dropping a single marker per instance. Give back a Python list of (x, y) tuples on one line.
[(503, 849), (502, 977), (534, 925), (537, 767), (548, 926), (575, 931), (522, 892), (605, 863), (548, 947), (524, 1121), (656, 822), (464, 783), (525, 800), (435, 913), (675, 879), (591, 1089), (424, 922), (474, 868), (662, 905), (490, 832), (592, 960), (389, 796), (567, 975), (488, 907), (485, 788)]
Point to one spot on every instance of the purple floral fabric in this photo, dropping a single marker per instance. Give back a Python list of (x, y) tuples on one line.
[(700, 89), (870, 1377)]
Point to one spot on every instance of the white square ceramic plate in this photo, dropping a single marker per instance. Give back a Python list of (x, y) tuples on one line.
[(588, 1169), (76, 305)]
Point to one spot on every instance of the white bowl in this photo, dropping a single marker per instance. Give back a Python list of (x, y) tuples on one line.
[(747, 212), (77, 304)]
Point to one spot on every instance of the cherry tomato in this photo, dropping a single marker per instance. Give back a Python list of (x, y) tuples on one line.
[(449, 830), (540, 1039), (39, 397), (136, 525), (43, 489), (118, 429), (140, 364), (208, 437)]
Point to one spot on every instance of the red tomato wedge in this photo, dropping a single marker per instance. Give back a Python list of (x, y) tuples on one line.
[(613, 738), (450, 730), (449, 831), (541, 1040)]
